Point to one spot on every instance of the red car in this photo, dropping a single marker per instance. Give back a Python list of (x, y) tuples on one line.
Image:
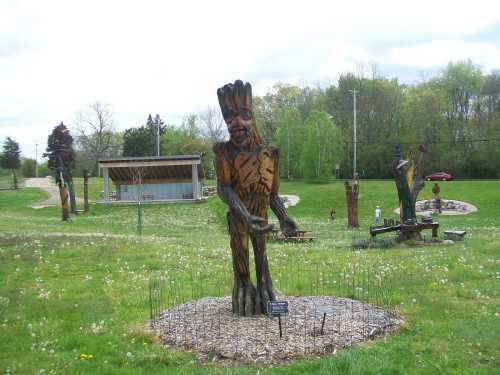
[(439, 176)]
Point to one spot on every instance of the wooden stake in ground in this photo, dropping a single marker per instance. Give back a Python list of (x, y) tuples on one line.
[(85, 191), (352, 193)]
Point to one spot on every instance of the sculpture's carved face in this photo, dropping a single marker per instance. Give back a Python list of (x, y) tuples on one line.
[(236, 105), (241, 125)]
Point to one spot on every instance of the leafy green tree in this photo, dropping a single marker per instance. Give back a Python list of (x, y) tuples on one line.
[(142, 141), (10, 158), (423, 120), (322, 146), (290, 140), (28, 167), (138, 142), (62, 160), (461, 82), (186, 139)]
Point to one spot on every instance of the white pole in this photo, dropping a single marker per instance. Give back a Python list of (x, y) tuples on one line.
[(36, 159), (355, 140), (158, 139)]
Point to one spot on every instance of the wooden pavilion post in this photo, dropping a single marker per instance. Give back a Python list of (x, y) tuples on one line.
[(194, 174), (105, 174)]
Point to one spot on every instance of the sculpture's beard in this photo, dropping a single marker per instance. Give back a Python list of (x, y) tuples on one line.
[(240, 135)]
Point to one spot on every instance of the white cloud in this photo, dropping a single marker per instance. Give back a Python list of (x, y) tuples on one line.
[(439, 53), (170, 57)]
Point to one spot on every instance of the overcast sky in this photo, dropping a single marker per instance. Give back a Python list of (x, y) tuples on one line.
[(169, 57)]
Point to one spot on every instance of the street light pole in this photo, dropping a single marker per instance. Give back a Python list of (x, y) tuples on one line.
[(158, 139), (355, 140)]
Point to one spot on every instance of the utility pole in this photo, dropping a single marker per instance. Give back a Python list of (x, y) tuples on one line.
[(158, 139), (36, 158), (355, 140)]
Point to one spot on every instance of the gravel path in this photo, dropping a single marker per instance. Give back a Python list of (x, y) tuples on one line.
[(46, 184)]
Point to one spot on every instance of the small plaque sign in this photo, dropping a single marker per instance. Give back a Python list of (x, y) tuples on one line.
[(325, 309), (277, 308)]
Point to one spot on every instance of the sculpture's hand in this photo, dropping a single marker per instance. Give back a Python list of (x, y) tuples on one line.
[(258, 225), (288, 227)]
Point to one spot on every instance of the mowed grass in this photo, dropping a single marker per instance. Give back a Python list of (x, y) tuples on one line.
[(83, 293)]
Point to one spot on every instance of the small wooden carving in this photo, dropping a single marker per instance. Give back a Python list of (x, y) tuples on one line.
[(352, 193), (248, 182)]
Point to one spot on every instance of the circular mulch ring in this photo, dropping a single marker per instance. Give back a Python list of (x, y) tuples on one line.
[(209, 328), (448, 207)]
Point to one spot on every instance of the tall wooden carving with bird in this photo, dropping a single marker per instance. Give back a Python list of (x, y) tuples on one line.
[(248, 182)]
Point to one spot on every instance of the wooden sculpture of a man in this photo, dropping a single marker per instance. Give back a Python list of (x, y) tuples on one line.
[(248, 182)]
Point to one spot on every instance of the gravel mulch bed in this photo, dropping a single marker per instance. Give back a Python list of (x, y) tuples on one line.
[(209, 328)]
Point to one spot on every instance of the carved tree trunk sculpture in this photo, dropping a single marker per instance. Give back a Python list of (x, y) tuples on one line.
[(63, 193), (248, 182), (408, 175), (352, 193)]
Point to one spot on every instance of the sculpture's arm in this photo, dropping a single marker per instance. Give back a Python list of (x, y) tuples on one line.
[(287, 224), (229, 196)]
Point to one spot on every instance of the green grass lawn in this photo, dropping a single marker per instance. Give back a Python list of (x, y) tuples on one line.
[(85, 293)]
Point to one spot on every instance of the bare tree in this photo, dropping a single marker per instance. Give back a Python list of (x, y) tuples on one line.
[(212, 124), (95, 126)]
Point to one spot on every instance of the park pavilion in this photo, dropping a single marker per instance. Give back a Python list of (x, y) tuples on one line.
[(152, 179)]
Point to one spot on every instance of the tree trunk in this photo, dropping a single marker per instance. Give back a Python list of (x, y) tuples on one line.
[(72, 198), (14, 179), (352, 193)]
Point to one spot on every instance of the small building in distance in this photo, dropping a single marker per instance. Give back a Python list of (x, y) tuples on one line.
[(153, 178)]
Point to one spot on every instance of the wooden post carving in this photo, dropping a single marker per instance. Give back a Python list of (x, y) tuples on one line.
[(248, 182), (408, 175), (352, 193), (63, 193)]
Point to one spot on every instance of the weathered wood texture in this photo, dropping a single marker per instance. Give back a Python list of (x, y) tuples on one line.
[(64, 194), (408, 176), (248, 182), (352, 193)]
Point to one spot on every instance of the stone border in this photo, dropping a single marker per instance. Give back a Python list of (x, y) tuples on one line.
[(466, 209)]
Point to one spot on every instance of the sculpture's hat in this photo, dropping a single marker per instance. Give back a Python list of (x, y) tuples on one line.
[(234, 96)]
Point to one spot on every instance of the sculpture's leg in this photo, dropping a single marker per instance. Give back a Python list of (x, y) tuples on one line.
[(243, 297), (265, 291)]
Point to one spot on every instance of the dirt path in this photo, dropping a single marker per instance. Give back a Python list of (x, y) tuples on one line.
[(46, 184)]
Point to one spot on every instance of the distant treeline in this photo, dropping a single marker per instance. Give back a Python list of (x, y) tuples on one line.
[(456, 114)]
